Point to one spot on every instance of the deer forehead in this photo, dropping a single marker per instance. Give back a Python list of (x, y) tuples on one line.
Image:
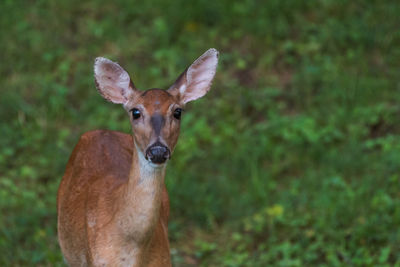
[(156, 101)]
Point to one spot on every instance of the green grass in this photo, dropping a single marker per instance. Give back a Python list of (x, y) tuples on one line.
[(292, 159)]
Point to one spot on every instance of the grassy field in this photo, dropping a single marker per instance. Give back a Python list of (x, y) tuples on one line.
[(292, 159)]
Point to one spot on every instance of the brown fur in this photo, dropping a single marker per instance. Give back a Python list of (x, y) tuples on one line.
[(102, 193), (156, 101), (112, 202), (96, 175)]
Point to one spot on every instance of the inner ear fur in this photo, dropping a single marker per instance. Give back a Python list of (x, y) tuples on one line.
[(196, 80), (112, 81)]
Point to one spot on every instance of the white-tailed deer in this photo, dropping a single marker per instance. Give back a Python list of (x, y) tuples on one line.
[(112, 202)]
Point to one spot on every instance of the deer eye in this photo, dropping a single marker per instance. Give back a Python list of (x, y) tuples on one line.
[(135, 113), (177, 113)]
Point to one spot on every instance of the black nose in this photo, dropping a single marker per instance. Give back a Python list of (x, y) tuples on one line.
[(158, 153)]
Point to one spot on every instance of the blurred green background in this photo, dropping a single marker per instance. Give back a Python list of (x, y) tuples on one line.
[(292, 159)]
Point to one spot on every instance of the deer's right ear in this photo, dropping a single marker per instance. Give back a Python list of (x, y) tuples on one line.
[(112, 81)]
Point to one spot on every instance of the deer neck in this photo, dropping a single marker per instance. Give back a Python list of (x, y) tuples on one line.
[(142, 198)]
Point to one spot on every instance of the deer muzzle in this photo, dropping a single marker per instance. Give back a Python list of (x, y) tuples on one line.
[(158, 153)]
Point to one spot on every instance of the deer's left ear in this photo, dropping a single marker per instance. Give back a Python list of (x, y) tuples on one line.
[(196, 80)]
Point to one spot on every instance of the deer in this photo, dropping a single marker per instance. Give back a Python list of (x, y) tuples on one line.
[(112, 202)]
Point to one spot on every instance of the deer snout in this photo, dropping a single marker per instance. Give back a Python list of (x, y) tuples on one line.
[(158, 153)]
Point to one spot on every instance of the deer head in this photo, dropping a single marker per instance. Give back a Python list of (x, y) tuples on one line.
[(155, 113)]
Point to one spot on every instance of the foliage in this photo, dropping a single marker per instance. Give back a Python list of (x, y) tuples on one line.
[(292, 159)]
